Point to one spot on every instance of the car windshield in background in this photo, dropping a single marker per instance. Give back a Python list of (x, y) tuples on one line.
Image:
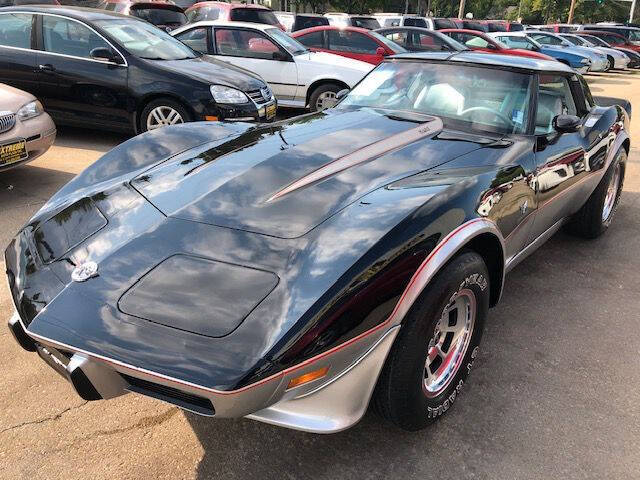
[(160, 16), (393, 46), (473, 97), (144, 40), (365, 22), (290, 44), (254, 15), (523, 43), (203, 13), (595, 41)]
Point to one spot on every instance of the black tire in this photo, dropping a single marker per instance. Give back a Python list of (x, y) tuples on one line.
[(319, 90), (612, 63), (591, 221), (166, 103), (401, 394)]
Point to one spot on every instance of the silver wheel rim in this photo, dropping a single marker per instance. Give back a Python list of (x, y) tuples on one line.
[(612, 193), (162, 116), (326, 100), (449, 343)]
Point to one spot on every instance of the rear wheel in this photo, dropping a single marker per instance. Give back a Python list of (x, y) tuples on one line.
[(162, 112), (324, 96), (436, 347), (595, 216), (612, 63)]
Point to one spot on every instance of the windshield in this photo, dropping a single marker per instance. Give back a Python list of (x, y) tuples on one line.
[(393, 46), (144, 40), (159, 16), (519, 42), (575, 40), (199, 14), (595, 40), (365, 22), (473, 97), (290, 44), (254, 15), (547, 39)]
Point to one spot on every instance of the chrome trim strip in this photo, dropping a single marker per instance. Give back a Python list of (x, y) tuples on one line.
[(533, 246), (365, 154), (126, 64)]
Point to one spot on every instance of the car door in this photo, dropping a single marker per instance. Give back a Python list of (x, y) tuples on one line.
[(17, 54), (75, 87), (254, 51), (426, 42), (354, 45), (563, 160)]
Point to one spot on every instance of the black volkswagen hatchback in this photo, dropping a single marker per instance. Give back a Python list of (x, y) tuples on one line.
[(102, 69)]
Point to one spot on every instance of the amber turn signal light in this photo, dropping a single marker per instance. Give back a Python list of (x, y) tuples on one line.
[(307, 377), (210, 118)]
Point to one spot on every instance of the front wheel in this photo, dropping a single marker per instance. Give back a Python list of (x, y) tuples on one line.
[(436, 347), (324, 96), (161, 113), (595, 216)]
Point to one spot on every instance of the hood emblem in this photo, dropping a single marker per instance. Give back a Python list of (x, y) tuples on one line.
[(84, 272), (266, 93)]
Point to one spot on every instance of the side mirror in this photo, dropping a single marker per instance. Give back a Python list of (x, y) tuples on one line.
[(566, 123), (102, 53), (279, 56), (342, 93), (381, 52)]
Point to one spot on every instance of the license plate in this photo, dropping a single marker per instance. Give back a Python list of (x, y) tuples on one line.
[(271, 111), (13, 152)]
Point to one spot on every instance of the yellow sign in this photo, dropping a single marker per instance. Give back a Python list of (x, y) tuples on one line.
[(13, 152), (271, 111)]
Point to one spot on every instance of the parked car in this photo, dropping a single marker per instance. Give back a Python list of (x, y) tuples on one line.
[(351, 42), (294, 22), (599, 61), (634, 56), (401, 20), (106, 70), (298, 273), (12, 3), (233, 12), (417, 39), (632, 34), (557, 27), (613, 39), (163, 14), (345, 20), (484, 43), (504, 26), (26, 130), (579, 62), (616, 58), (298, 77)]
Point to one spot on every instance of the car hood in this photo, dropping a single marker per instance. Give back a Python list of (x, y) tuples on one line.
[(213, 71), (585, 52), (285, 179), (331, 60), (13, 99)]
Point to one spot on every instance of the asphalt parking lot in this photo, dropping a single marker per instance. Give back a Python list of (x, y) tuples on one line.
[(554, 393)]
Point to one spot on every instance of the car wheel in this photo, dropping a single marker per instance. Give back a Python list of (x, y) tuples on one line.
[(612, 63), (595, 216), (324, 96), (162, 112), (436, 347)]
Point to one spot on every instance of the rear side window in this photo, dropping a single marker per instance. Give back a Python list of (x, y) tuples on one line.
[(516, 27), (365, 22), (159, 16), (312, 40), (303, 22), (196, 38), (254, 15), (415, 22), (15, 30), (69, 37), (442, 23), (351, 42)]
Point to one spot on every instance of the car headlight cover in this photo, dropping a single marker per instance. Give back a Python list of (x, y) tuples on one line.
[(222, 94), (30, 110)]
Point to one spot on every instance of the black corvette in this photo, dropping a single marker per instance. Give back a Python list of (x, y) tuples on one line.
[(102, 69), (292, 272)]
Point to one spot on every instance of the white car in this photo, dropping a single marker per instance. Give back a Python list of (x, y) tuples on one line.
[(403, 20), (617, 59), (298, 77)]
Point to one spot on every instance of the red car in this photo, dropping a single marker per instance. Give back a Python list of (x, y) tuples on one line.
[(163, 14), (352, 42), (233, 12), (614, 39), (484, 43)]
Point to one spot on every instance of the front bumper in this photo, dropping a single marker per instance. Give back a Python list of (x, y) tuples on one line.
[(327, 405), (621, 63), (248, 112), (39, 133), (582, 70), (599, 65)]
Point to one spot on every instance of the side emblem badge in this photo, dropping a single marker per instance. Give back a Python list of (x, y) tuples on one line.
[(523, 208), (84, 272)]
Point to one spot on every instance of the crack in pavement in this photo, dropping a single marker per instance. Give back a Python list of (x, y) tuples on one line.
[(43, 420)]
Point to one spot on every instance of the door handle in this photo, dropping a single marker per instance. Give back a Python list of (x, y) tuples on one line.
[(46, 68)]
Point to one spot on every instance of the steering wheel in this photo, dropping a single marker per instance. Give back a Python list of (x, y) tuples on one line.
[(496, 113)]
